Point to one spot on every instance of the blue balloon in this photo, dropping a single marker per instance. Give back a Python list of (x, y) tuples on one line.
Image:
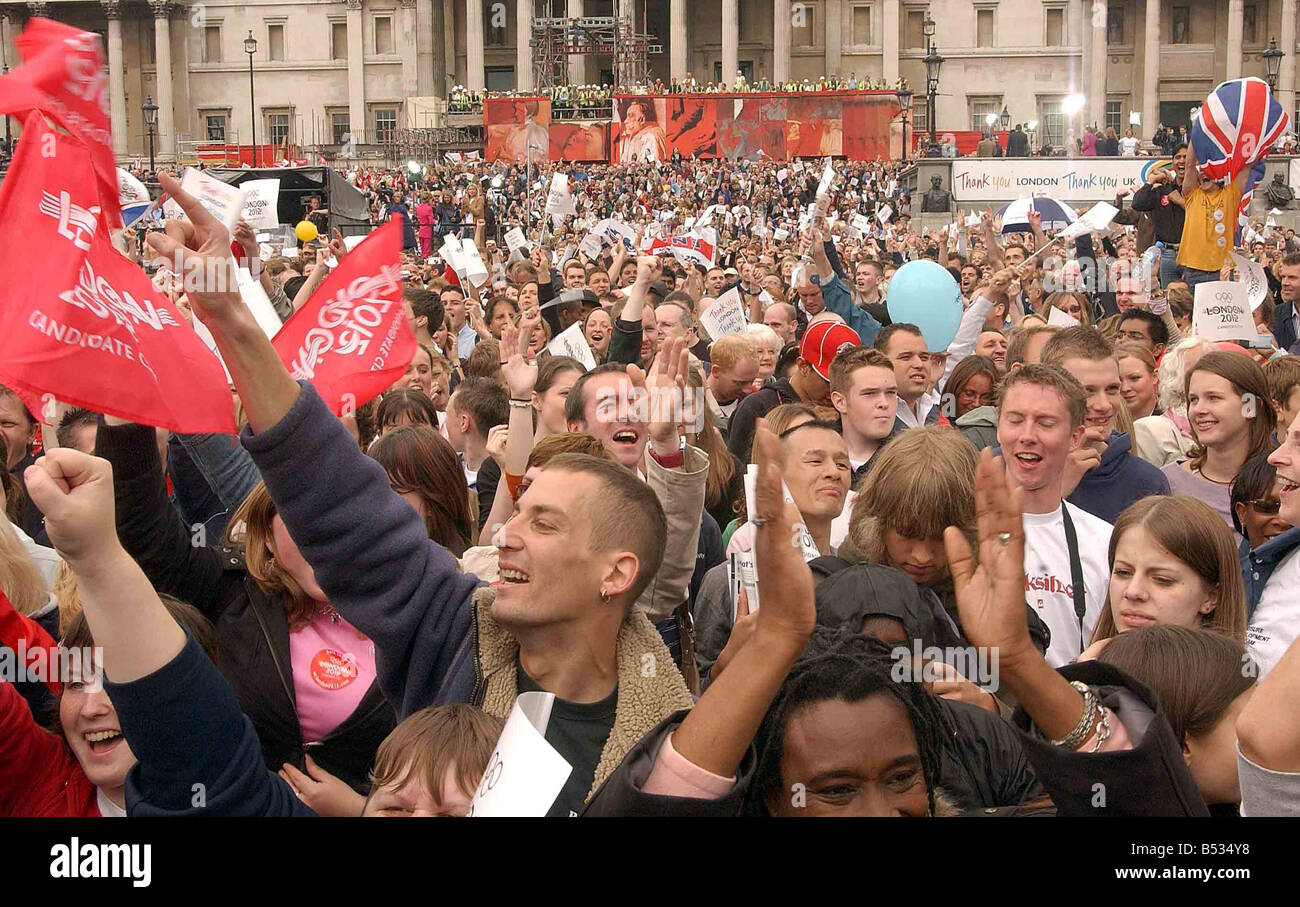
[(924, 294)]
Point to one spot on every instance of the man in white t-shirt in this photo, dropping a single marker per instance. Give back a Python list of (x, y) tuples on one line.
[(1128, 146), (1273, 572), (1040, 420)]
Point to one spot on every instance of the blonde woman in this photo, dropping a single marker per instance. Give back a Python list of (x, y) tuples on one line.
[(1167, 438)]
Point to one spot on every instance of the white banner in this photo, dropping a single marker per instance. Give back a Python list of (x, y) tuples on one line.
[(260, 200), (1065, 179), (726, 316)]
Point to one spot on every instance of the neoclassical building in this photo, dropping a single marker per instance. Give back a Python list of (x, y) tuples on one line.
[(329, 67)]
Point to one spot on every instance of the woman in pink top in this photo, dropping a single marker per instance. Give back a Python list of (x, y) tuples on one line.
[(424, 222)]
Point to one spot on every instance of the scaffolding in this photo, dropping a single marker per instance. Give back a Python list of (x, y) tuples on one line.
[(556, 39)]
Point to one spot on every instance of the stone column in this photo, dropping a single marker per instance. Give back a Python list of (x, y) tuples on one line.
[(1151, 70), (357, 75), (406, 45), (781, 26), (116, 75), (523, 50), (474, 44), (730, 41), (834, 37), (1286, 73), (576, 9), (163, 77), (677, 68), (428, 21), (1096, 108), (889, 42), (1236, 9)]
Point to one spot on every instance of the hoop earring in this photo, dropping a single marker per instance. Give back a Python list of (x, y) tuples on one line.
[(604, 597)]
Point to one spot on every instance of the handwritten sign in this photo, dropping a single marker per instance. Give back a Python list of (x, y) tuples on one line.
[(726, 316), (1221, 311), (525, 774)]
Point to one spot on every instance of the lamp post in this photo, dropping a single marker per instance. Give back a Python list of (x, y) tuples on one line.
[(933, 63), (1272, 62), (250, 48), (1005, 118), (904, 107), (150, 111)]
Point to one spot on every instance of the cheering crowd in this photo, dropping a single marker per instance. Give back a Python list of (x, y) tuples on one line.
[(792, 507)]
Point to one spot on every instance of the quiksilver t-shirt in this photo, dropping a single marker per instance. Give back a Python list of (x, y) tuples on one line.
[(1276, 621), (1049, 587)]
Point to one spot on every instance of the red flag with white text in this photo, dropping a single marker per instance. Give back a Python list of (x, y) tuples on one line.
[(82, 324), (63, 74), (352, 339)]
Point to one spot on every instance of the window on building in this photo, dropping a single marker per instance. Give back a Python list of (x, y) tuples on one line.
[(1055, 28), (920, 116), (275, 42), (385, 123), (383, 34), (983, 28), (1114, 116), (148, 39), (340, 125), (211, 44), (980, 110), (914, 33), (1249, 35), (1181, 25), (338, 40), (803, 22), (1115, 24), (214, 125), (501, 78), (1051, 125), (862, 24), (277, 127), (494, 21)]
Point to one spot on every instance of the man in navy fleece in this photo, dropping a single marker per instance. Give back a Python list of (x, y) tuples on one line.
[(1110, 477), (587, 538)]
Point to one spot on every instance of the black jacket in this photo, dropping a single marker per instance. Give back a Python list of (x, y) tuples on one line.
[(252, 630), (1284, 328), (740, 430), (1017, 144), (1166, 214)]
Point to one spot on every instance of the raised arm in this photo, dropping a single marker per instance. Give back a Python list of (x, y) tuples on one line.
[(521, 376), (1191, 175)]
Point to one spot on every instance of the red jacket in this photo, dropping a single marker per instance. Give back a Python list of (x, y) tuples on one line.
[(39, 775)]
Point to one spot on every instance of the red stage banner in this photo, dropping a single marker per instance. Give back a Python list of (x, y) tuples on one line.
[(964, 140), (520, 129), (779, 126)]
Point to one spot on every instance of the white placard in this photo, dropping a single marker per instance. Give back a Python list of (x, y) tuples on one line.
[(129, 189), (525, 773), (1221, 311), (260, 200), (515, 240), (782, 175), (861, 223), (1094, 220), (558, 199), (591, 246), (451, 254), (1251, 273), (250, 290), (780, 234), (1061, 319), (571, 342), (726, 316), (222, 200), (475, 270), (884, 214)]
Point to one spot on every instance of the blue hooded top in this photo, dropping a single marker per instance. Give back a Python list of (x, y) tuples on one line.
[(1119, 480)]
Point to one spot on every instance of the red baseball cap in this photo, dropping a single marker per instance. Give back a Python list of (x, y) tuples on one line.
[(823, 341)]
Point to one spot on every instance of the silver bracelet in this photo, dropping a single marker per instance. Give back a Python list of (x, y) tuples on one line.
[(1083, 729), (521, 404), (1103, 731)]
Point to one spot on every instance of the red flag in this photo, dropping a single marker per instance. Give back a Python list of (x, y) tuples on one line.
[(352, 339), (63, 74), (81, 323)]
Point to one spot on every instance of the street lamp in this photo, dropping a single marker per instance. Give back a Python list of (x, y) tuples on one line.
[(1272, 62), (933, 63), (150, 111), (904, 107), (250, 48), (1005, 118)]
